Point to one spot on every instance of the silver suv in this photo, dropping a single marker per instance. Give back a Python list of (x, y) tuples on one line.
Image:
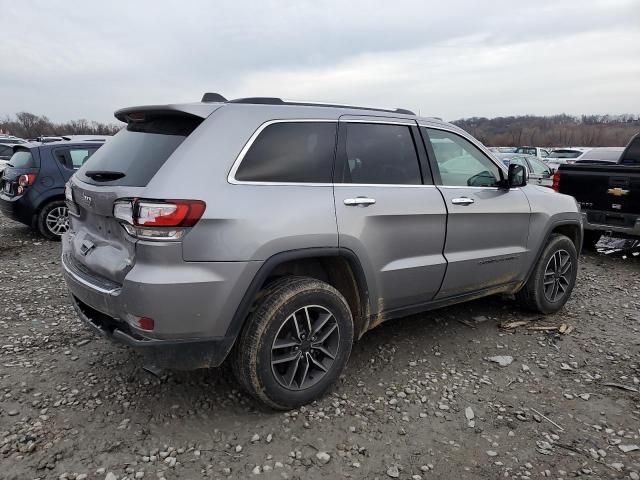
[(273, 234)]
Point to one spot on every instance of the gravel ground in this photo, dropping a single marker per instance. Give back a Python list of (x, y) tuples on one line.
[(422, 397)]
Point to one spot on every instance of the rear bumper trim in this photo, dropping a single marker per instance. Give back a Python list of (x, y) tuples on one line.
[(78, 277), (177, 354), (632, 231)]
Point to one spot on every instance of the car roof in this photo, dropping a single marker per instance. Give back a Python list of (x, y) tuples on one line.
[(212, 101)]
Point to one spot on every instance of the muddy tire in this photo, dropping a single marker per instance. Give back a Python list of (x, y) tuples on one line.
[(590, 239), (294, 344), (553, 277), (53, 220)]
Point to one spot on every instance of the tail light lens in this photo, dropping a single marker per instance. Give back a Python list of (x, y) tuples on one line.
[(556, 181), (158, 219), (26, 180)]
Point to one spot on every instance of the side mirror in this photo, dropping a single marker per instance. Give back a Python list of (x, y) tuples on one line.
[(517, 176)]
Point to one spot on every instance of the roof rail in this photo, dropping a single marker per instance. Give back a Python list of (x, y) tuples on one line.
[(279, 101)]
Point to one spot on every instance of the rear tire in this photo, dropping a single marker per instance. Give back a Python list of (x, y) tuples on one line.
[(590, 239), (53, 220), (295, 343), (553, 277)]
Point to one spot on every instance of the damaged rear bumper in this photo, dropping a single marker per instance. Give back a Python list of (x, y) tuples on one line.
[(182, 354)]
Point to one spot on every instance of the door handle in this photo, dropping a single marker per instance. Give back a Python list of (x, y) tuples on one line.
[(359, 201), (462, 201)]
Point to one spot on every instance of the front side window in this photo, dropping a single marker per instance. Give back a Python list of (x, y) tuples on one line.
[(291, 152), (538, 167), (379, 154), (460, 162)]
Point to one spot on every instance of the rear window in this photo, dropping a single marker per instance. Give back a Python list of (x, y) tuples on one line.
[(565, 154), (526, 150), (22, 159), (632, 154), (139, 151)]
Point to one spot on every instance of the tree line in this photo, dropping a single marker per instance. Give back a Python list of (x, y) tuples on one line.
[(29, 125), (553, 131)]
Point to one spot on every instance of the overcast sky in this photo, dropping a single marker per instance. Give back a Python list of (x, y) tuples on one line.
[(452, 59)]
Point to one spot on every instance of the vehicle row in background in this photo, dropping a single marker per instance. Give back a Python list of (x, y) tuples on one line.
[(32, 184)]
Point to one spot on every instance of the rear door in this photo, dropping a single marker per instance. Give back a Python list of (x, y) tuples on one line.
[(388, 211), (120, 169), (487, 226)]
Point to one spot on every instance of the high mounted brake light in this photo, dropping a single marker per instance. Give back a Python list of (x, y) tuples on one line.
[(158, 219)]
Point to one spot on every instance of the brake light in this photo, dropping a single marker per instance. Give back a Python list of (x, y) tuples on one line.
[(26, 180), (556, 181), (174, 213), (158, 219)]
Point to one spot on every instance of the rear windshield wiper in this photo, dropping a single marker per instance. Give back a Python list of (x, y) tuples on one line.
[(104, 175)]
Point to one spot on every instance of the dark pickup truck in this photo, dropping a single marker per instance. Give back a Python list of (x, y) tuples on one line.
[(608, 194)]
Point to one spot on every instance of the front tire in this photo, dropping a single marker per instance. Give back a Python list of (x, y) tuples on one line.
[(295, 344), (53, 220), (553, 277)]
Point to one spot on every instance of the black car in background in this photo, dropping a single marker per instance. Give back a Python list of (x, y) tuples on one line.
[(32, 184), (608, 193)]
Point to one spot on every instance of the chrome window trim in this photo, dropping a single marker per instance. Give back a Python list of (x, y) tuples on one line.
[(231, 177), (407, 123)]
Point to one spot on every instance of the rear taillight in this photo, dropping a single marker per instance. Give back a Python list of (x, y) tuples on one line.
[(556, 181), (25, 181), (158, 219)]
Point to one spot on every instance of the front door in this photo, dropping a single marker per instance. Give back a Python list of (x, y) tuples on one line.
[(388, 211), (487, 226)]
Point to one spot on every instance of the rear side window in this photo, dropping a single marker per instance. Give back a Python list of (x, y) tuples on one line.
[(5, 151), (379, 154), (139, 151), (22, 159), (74, 158), (291, 152)]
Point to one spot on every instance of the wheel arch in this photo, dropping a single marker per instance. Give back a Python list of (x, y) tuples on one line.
[(570, 228), (339, 267), (42, 200)]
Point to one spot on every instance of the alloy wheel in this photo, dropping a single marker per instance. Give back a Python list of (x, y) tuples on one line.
[(305, 347), (57, 220), (557, 276)]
